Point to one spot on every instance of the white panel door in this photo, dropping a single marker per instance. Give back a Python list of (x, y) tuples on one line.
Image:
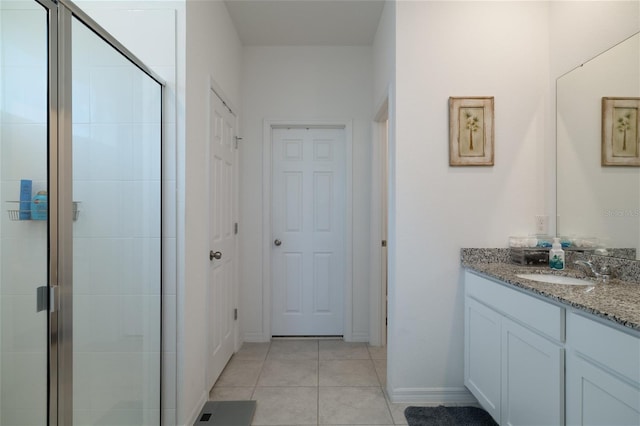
[(222, 241), (308, 215)]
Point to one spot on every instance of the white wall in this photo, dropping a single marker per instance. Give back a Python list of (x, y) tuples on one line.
[(384, 53), (580, 30), (303, 83), (213, 51), (457, 49)]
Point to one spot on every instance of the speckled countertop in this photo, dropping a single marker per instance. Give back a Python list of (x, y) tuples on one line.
[(617, 301)]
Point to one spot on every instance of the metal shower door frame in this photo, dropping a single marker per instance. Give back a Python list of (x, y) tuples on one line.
[(60, 181)]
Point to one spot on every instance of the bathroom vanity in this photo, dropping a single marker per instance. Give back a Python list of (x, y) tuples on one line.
[(551, 354)]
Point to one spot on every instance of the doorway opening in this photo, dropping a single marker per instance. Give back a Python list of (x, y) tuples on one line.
[(379, 219)]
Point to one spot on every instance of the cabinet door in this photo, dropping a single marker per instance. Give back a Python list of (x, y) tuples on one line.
[(482, 355), (598, 397), (532, 378)]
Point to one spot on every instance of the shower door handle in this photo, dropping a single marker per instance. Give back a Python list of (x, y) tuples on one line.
[(47, 298), (42, 298)]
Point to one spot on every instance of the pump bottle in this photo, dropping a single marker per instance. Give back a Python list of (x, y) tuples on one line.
[(556, 255)]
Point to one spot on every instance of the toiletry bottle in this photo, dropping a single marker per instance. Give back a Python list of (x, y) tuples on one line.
[(25, 199), (556, 255), (39, 206)]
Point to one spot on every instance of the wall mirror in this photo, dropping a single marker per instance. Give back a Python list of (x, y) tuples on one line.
[(598, 203)]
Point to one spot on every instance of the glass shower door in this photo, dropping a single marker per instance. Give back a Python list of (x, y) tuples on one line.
[(116, 134), (24, 225)]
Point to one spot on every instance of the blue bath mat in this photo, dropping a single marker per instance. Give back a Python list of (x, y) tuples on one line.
[(448, 416)]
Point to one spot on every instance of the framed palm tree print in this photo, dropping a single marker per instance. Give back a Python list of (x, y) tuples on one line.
[(471, 131), (620, 139)]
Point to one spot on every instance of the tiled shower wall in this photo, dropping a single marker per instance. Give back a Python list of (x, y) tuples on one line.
[(157, 47), (116, 239), (23, 244), (117, 268)]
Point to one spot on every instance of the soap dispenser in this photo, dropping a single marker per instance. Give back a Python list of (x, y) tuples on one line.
[(556, 255)]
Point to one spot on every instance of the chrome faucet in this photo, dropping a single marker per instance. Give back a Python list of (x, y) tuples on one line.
[(604, 274)]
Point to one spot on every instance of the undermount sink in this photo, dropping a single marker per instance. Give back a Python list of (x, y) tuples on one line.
[(555, 279)]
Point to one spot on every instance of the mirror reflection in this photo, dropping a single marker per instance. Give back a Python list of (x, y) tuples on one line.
[(598, 185)]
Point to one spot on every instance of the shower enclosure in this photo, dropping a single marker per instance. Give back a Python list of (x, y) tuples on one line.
[(80, 226)]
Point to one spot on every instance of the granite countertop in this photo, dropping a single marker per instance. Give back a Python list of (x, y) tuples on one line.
[(617, 301)]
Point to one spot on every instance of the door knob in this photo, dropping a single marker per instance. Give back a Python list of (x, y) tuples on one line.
[(217, 255), (277, 242)]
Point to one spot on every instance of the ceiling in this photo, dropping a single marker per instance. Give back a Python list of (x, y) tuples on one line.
[(305, 22)]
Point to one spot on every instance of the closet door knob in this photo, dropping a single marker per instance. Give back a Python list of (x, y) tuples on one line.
[(277, 243), (217, 255)]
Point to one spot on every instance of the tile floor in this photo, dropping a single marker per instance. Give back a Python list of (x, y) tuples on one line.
[(311, 382)]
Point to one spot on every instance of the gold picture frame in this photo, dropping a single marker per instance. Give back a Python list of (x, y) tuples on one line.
[(471, 131), (620, 125)]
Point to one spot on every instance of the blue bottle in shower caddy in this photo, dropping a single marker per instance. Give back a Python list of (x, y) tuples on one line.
[(24, 212), (39, 206)]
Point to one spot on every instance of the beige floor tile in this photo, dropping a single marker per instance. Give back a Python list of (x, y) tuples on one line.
[(351, 372), (381, 370), (286, 406), (239, 372), (289, 372), (377, 352), (397, 412), (353, 406), (252, 351), (231, 394), (293, 349), (339, 349)]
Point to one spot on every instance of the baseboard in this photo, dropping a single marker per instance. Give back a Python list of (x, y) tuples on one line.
[(359, 337), (256, 338), (436, 396)]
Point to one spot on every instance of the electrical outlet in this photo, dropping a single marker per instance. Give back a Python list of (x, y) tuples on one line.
[(542, 224)]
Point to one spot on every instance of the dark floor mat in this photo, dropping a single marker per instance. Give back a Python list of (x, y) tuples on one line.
[(448, 416), (226, 413)]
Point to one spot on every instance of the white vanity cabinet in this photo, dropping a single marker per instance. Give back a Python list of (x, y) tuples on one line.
[(603, 374), (514, 354)]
